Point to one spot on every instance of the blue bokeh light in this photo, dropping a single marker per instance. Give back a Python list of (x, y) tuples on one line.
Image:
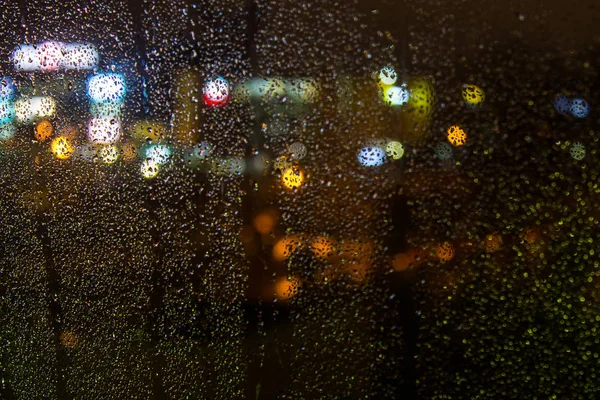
[(562, 104), (7, 112), (158, 153), (7, 89), (371, 156), (580, 108)]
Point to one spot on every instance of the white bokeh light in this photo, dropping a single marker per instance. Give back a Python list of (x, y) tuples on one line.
[(203, 150), (388, 76), (107, 87), (298, 150), (371, 156), (28, 109), (43, 57), (236, 165), (26, 58), (577, 151), (86, 151), (216, 91), (149, 169), (111, 109), (395, 95), (272, 87), (304, 90), (104, 130)]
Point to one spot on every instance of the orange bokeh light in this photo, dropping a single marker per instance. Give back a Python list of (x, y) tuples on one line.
[(265, 222), (530, 236), (129, 151), (70, 132), (357, 249), (456, 136), (68, 339), (322, 247), (493, 242), (358, 271), (403, 261), (43, 131), (246, 234), (532, 239), (285, 247), (286, 288), (445, 251)]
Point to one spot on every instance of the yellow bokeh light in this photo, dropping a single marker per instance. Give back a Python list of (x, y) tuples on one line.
[(43, 131), (421, 98), (415, 120), (395, 150), (292, 178), (456, 136), (109, 154), (473, 95), (61, 148), (285, 247), (149, 169)]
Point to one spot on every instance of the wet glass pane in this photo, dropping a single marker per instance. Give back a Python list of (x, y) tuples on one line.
[(261, 199)]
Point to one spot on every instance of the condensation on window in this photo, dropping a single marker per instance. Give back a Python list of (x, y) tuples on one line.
[(298, 200)]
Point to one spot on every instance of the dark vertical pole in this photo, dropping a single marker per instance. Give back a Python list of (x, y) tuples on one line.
[(252, 8), (157, 291), (23, 19), (141, 59), (406, 294), (54, 304), (257, 139)]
